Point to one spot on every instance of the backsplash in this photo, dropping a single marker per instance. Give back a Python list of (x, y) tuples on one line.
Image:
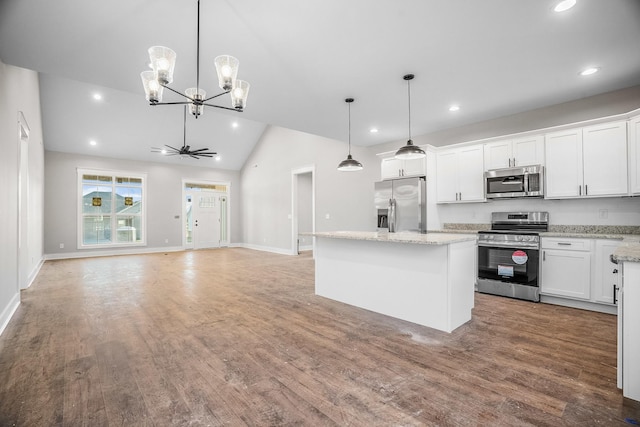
[(595, 229)]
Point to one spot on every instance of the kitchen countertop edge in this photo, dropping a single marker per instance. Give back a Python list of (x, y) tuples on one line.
[(430, 238)]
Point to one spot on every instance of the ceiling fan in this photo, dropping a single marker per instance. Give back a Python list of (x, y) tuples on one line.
[(185, 150)]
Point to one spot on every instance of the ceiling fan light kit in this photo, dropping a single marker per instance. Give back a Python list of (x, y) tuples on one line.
[(185, 150), (163, 61)]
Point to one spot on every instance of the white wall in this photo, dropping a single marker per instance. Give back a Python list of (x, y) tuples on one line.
[(19, 91), (346, 197), (164, 198)]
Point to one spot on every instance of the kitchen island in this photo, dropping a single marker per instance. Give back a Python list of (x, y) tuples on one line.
[(426, 279)]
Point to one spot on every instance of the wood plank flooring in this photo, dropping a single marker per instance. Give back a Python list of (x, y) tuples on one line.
[(233, 337)]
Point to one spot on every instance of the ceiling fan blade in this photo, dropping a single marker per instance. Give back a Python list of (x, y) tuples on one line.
[(199, 150), (173, 148)]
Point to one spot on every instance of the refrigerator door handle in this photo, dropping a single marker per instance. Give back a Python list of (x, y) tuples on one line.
[(392, 215)]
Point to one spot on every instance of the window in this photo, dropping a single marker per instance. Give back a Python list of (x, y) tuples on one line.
[(111, 209)]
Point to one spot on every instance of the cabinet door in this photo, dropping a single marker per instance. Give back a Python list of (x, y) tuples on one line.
[(528, 151), (497, 155), (471, 173), (414, 167), (390, 168), (606, 272), (604, 149), (634, 155), (566, 273), (447, 176), (563, 159)]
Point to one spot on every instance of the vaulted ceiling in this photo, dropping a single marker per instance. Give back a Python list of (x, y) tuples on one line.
[(303, 58)]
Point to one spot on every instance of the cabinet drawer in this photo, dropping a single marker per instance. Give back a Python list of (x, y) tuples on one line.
[(567, 244)]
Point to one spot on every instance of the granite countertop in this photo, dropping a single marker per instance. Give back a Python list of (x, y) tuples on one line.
[(403, 237)]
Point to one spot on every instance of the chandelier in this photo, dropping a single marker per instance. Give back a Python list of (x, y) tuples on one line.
[(163, 61)]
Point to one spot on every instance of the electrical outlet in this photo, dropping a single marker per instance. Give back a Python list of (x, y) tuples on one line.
[(603, 213), (61, 245), (166, 240), (327, 216)]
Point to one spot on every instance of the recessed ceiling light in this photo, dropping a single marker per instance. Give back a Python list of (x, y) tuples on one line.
[(589, 71), (234, 125), (564, 5), (163, 151), (97, 96), (93, 142), (454, 108), (373, 130), (218, 158)]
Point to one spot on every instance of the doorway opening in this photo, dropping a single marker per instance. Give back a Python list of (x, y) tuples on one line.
[(303, 202), (206, 214)]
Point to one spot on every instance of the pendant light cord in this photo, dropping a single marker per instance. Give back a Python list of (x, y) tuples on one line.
[(409, 98), (349, 104)]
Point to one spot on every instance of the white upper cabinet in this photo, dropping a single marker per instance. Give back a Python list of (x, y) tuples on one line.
[(634, 155), (395, 168), (524, 151), (460, 175), (563, 152), (587, 162), (604, 149)]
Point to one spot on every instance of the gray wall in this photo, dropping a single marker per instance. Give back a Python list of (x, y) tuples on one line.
[(164, 199), (593, 107), (346, 197), (19, 92)]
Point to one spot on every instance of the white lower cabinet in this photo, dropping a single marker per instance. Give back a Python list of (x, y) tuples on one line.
[(579, 272), (566, 268)]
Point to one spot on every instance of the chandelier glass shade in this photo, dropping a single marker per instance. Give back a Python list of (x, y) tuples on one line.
[(162, 62), (409, 151), (349, 164)]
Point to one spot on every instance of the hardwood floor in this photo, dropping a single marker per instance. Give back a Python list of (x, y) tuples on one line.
[(237, 337)]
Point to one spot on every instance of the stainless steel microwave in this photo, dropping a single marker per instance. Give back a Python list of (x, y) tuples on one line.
[(526, 181)]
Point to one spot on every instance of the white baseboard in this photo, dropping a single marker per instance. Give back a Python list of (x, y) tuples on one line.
[(34, 273), (262, 248), (305, 248), (583, 305), (112, 252), (9, 311)]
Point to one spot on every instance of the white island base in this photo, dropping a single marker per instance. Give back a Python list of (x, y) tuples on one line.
[(424, 279)]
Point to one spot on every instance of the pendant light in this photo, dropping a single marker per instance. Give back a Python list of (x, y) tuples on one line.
[(349, 164), (409, 151)]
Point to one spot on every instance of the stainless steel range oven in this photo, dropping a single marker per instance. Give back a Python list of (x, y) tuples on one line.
[(509, 254)]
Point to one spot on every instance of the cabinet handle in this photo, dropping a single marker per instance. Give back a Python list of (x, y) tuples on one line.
[(564, 244), (544, 255), (615, 271), (615, 294), (399, 172), (579, 190), (586, 190)]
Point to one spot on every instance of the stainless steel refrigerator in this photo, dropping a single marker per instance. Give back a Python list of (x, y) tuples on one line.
[(401, 204)]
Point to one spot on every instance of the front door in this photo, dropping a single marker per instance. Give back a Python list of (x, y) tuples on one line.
[(206, 220)]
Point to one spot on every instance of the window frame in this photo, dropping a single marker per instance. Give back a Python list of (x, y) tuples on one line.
[(114, 174)]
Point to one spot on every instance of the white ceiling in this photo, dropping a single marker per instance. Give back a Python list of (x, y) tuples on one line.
[(303, 58)]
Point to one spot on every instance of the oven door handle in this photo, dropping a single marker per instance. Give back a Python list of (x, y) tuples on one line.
[(520, 245)]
